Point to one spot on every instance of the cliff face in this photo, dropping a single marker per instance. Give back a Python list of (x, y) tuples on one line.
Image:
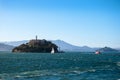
[(41, 46)]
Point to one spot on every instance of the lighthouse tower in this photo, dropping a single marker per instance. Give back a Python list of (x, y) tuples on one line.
[(36, 37)]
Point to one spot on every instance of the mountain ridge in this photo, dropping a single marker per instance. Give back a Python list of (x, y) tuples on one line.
[(5, 47)]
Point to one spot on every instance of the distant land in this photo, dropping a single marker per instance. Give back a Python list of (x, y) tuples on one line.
[(107, 50), (5, 47), (63, 46)]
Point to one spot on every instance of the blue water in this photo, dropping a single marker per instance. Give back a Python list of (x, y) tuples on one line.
[(64, 66)]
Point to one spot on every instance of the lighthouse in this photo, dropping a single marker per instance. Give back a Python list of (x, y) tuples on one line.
[(36, 37)]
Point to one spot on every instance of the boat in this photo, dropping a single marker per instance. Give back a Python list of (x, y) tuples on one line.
[(97, 52), (52, 51)]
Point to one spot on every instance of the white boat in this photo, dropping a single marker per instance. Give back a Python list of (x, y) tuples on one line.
[(52, 51), (97, 52)]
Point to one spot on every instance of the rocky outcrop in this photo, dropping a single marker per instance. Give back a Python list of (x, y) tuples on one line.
[(40, 46)]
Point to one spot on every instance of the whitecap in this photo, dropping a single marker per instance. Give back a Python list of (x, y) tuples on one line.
[(92, 70), (18, 76), (77, 72), (118, 63)]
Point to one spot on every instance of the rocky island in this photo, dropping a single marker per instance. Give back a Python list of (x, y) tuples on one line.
[(107, 50), (37, 45)]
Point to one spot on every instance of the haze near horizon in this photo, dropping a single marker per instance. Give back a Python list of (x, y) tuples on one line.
[(95, 23)]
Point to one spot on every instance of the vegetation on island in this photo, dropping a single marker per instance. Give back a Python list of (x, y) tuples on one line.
[(40, 46)]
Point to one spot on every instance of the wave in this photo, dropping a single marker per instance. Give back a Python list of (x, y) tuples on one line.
[(118, 63), (41, 73), (57, 74)]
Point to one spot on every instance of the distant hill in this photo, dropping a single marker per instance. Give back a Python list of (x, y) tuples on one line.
[(63, 46), (5, 47), (107, 49), (69, 47), (16, 43), (118, 49)]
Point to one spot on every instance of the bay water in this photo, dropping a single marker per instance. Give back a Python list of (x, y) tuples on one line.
[(59, 66)]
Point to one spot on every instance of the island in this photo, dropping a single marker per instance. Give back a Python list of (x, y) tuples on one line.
[(107, 50), (37, 46)]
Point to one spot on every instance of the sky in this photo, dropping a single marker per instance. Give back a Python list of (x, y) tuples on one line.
[(94, 23)]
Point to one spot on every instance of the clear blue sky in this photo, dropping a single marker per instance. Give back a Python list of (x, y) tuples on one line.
[(95, 23)]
